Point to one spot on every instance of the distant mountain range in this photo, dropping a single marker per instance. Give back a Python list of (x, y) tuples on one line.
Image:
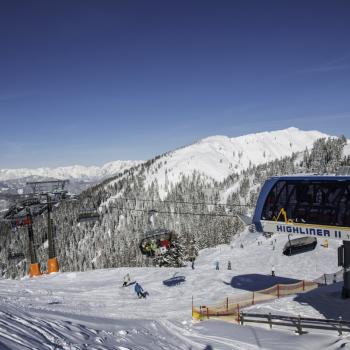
[(74, 172)]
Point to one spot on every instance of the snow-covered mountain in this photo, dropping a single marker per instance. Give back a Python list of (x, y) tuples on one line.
[(213, 170), (71, 172), (215, 158), (218, 157)]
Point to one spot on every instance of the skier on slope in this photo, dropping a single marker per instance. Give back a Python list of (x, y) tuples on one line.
[(139, 291), (126, 280)]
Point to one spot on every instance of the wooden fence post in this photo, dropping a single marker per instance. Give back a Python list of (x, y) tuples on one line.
[(207, 313), (269, 319), (238, 313), (303, 285), (241, 316), (192, 305), (299, 329), (340, 329), (253, 299), (227, 304)]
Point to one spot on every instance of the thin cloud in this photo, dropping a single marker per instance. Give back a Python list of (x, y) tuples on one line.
[(341, 63)]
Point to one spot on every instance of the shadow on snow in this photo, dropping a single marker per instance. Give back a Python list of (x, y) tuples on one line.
[(327, 301), (255, 282)]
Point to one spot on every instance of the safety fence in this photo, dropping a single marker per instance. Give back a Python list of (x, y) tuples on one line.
[(330, 278), (230, 307), (300, 323)]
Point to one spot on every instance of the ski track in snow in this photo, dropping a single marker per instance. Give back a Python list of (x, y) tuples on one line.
[(90, 310)]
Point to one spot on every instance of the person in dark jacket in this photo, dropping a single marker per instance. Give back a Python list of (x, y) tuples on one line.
[(139, 291)]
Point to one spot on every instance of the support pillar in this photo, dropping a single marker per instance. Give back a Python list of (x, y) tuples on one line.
[(52, 263), (34, 269), (346, 264)]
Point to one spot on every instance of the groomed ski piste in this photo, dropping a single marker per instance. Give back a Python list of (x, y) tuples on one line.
[(91, 310)]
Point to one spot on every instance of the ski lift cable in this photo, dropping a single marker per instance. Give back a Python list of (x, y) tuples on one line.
[(184, 202), (174, 212)]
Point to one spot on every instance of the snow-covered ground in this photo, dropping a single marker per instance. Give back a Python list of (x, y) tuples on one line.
[(90, 310)]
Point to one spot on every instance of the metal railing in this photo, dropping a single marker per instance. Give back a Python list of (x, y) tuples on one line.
[(330, 278), (300, 323)]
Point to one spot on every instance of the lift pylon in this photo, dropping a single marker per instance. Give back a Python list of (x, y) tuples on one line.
[(53, 192), (34, 269)]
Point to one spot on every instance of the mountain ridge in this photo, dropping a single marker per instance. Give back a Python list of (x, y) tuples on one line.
[(219, 144), (217, 157)]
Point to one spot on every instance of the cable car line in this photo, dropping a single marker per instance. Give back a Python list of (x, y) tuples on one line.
[(183, 202), (174, 213)]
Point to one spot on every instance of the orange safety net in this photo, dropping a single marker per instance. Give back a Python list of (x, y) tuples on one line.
[(231, 306)]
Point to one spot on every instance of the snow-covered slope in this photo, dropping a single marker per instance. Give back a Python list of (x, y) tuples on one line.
[(236, 154), (71, 172), (90, 310), (347, 149), (217, 157)]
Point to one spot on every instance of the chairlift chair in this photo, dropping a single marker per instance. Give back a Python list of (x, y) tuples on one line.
[(156, 242), (299, 245), (88, 215)]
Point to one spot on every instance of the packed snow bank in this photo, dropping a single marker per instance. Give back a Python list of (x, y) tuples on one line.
[(31, 330), (93, 308)]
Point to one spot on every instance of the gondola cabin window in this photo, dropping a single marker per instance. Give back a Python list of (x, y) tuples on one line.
[(309, 201)]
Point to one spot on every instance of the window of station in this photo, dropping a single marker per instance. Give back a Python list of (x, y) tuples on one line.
[(312, 202)]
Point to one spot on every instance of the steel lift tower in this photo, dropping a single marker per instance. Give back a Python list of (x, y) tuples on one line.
[(21, 214), (50, 192)]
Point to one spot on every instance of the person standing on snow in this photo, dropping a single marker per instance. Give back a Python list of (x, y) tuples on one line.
[(192, 262), (273, 270), (126, 280)]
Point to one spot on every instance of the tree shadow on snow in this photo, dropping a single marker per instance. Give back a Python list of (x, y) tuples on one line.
[(255, 282), (327, 301)]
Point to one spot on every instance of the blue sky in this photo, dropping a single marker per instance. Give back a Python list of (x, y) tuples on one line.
[(86, 82)]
